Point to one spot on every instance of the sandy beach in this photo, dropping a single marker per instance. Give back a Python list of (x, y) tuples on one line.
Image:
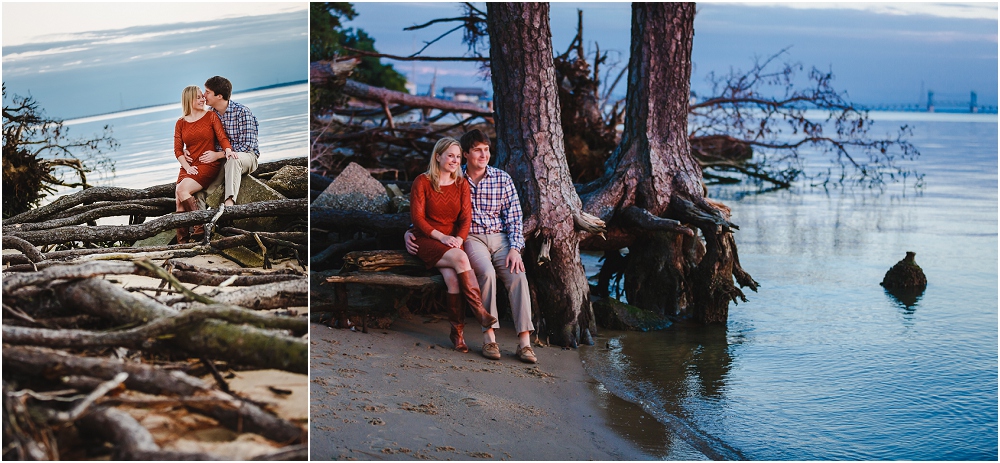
[(404, 393)]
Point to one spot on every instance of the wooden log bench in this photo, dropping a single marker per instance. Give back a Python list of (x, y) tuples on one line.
[(383, 269)]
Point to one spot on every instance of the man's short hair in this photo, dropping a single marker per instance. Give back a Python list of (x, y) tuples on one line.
[(220, 86), (473, 138)]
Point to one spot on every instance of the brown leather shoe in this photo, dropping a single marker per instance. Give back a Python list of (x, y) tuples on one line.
[(197, 231), (491, 351), (456, 316), (526, 354), (470, 289)]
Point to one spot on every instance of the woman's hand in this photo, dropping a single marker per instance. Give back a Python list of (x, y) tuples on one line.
[(191, 170), (451, 241)]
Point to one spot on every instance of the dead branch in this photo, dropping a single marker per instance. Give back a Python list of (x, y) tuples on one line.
[(91, 195), (385, 96), (138, 337), (240, 344), (207, 279), (131, 440), (41, 361), (69, 254), (26, 248), (418, 58), (279, 208)]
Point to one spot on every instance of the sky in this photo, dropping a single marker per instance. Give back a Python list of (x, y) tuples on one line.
[(880, 53), (82, 59)]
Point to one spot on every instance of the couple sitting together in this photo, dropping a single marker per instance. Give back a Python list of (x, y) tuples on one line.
[(467, 223), (203, 138)]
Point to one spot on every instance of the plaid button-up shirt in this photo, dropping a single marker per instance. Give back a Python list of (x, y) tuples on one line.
[(241, 128), (496, 207)]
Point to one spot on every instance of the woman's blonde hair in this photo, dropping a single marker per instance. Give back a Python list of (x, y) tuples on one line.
[(434, 170), (187, 97)]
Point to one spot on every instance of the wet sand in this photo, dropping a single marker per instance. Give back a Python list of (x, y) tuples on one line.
[(404, 393)]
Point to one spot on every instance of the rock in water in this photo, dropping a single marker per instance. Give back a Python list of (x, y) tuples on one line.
[(906, 274), (354, 190), (905, 280), (612, 314)]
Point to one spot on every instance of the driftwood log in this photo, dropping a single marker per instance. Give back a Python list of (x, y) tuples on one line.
[(69, 326)]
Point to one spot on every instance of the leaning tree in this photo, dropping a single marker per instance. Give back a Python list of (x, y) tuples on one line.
[(651, 195)]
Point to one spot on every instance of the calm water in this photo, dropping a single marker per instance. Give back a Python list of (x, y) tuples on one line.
[(822, 363), (146, 155)]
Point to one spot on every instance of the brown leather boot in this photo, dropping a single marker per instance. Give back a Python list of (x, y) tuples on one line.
[(470, 289), (456, 316), (197, 231), (183, 234)]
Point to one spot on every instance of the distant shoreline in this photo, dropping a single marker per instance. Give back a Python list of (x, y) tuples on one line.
[(266, 87)]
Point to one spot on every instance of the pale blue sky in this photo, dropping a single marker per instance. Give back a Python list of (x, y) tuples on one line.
[(880, 53), (83, 59)]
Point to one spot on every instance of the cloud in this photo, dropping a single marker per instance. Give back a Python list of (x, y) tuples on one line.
[(943, 10)]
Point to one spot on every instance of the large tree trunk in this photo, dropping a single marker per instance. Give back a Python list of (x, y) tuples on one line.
[(530, 148), (652, 184)]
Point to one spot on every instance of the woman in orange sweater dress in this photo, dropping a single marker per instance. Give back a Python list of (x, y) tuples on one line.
[(196, 132), (441, 210)]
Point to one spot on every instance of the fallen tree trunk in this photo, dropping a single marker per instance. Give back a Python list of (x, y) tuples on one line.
[(387, 97), (238, 344), (91, 215), (336, 219), (71, 253), (278, 208), (90, 195)]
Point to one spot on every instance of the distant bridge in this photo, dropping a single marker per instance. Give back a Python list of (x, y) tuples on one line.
[(946, 103)]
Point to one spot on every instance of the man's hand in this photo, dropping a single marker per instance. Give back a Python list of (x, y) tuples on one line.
[(411, 242), (230, 154), (211, 156), (187, 156), (514, 262)]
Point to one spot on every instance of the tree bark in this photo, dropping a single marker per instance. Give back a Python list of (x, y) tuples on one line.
[(530, 148), (653, 169)]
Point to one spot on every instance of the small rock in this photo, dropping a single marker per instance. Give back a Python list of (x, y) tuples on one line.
[(906, 274), (905, 281)]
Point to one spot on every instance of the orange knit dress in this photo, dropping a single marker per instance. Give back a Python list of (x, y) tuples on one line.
[(449, 212), (200, 136)]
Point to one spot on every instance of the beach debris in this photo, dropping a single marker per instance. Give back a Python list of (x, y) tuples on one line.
[(82, 309), (905, 280)]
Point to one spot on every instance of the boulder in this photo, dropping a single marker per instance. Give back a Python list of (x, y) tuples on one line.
[(905, 280), (291, 181), (252, 190), (354, 190), (613, 314)]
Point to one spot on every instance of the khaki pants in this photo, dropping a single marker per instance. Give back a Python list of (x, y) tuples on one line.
[(488, 254), (232, 174)]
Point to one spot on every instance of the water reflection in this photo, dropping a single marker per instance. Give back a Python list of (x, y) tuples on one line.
[(663, 372)]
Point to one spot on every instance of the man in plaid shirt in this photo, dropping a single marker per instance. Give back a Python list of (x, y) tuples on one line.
[(496, 239), (241, 128)]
